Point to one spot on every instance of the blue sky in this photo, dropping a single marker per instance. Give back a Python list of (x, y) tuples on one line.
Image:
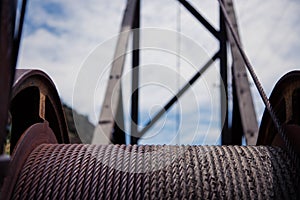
[(60, 35)]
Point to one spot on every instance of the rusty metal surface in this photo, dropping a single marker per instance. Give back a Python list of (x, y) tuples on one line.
[(34, 136), (9, 49), (285, 99), (156, 172), (7, 14), (35, 99)]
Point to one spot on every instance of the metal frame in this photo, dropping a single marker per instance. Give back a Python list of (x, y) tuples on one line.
[(135, 75), (9, 49), (244, 118), (110, 129), (244, 115), (6, 37), (104, 131), (34, 99), (175, 98)]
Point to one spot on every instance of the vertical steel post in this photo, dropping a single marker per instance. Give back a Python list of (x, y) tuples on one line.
[(226, 135), (244, 116), (118, 133), (135, 75), (104, 131), (7, 25)]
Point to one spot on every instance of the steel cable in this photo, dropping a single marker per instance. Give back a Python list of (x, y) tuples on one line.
[(152, 172)]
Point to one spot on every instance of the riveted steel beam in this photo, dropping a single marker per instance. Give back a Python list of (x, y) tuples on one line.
[(244, 116), (103, 133)]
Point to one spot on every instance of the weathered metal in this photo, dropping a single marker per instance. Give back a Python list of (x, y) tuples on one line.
[(7, 15), (34, 136), (242, 99), (104, 130), (9, 49), (34, 99), (284, 99), (156, 172), (42, 169)]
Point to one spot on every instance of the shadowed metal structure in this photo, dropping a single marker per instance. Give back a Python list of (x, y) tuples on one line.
[(43, 165), (244, 117)]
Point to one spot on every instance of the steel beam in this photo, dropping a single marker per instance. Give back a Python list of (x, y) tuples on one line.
[(245, 111), (223, 71), (7, 24), (104, 130), (200, 18), (118, 133), (135, 75), (18, 32), (150, 123)]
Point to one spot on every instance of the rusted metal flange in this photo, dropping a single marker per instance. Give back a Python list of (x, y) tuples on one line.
[(34, 136), (285, 100), (35, 99)]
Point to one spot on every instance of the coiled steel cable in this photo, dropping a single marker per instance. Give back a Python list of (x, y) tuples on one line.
[(151, 172)]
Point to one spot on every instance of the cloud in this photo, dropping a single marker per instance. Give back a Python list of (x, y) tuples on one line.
[(59, 35)]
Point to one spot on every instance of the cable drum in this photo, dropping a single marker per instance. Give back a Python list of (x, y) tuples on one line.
[(150, 172)]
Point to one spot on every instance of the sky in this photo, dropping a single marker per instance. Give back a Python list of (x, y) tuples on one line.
[(73, 41)]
